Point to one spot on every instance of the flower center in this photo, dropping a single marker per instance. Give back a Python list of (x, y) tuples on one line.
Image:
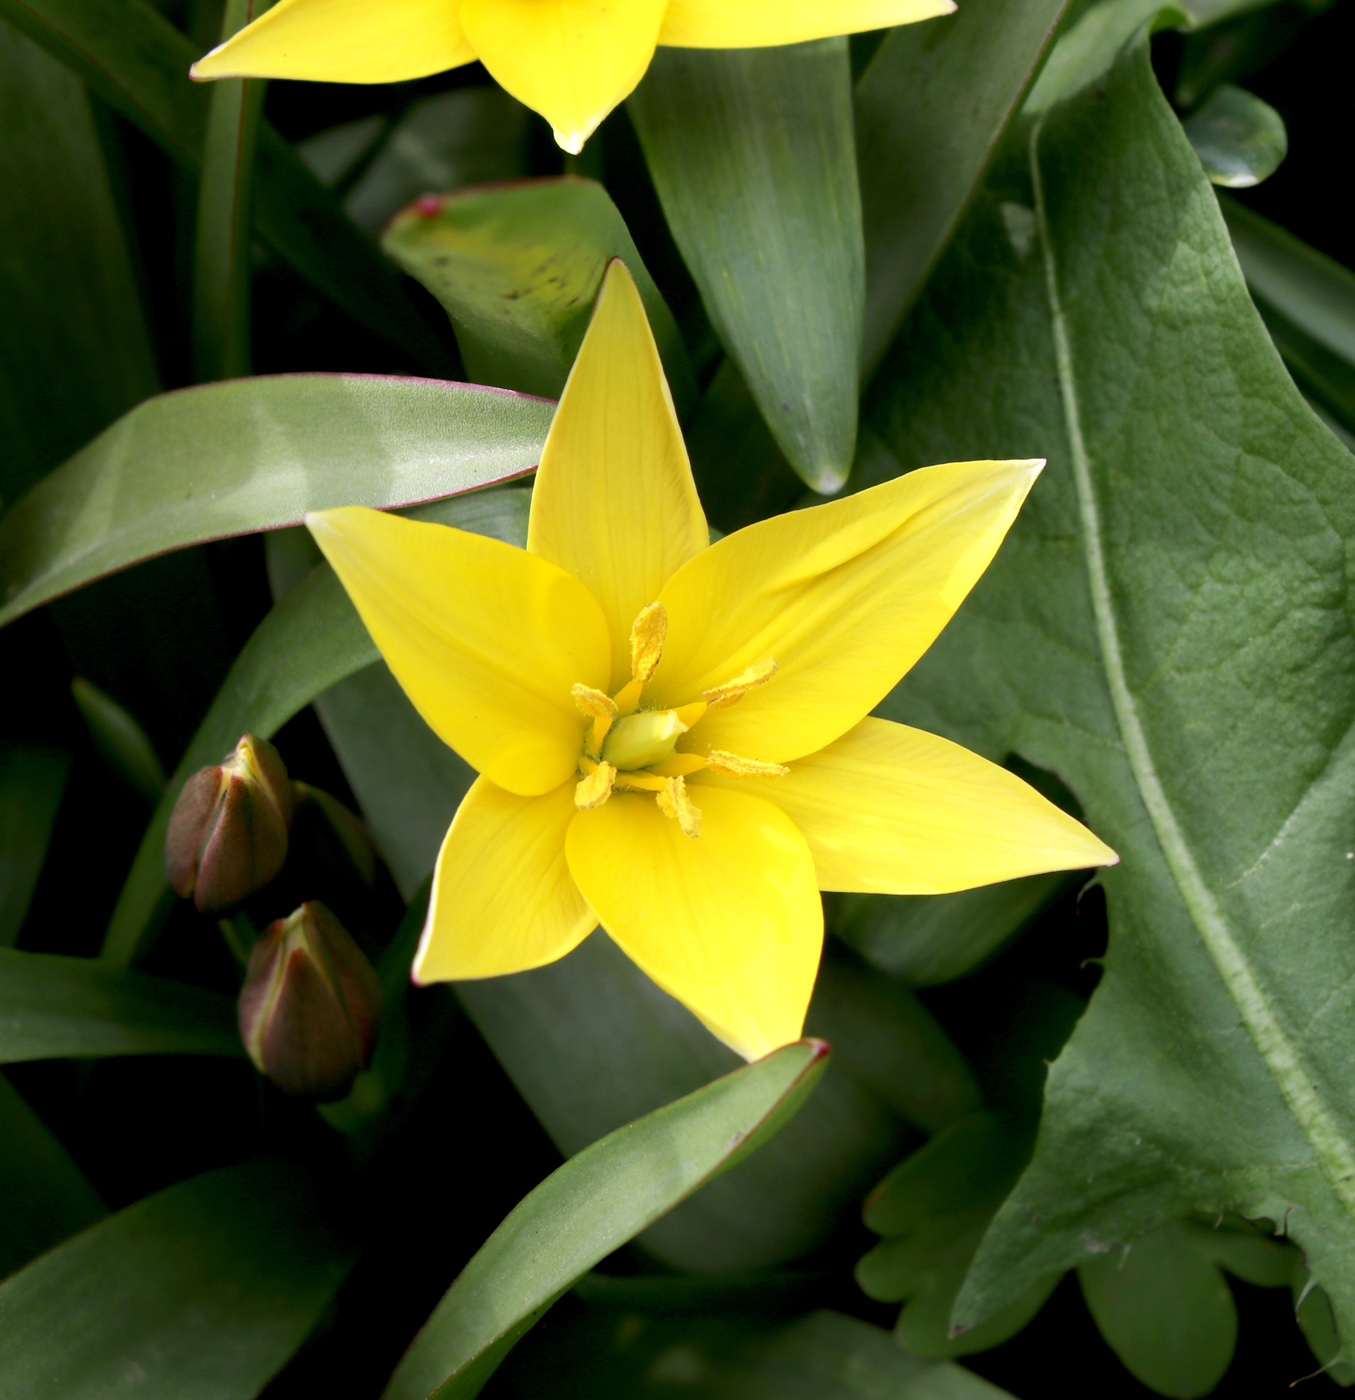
[(635, 749)]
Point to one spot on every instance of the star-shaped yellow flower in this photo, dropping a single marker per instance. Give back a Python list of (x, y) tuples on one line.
[(674, 737), (570, 60)]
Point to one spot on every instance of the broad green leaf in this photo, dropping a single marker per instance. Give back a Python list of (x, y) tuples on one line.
[(518, 268), (1167, 629), (133, 58), (1165, 1308), (752, 154), (932, 1210), (223, 252), (46, 1196), (1239, 139), (200, 1292), (930, 110), (74, 352), (927, 940), (592, 1205), (820, 1355), (32, 779), (253, 454), (310, 641), (120, 740), (55, 1007)]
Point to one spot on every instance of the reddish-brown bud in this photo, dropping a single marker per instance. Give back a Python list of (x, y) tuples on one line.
[(228, 834), (310, 1006)]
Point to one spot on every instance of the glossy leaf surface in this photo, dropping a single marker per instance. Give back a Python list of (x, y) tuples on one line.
[(200, 1292), (753, 157), (518, 268), (1169, 624), (590, 1206), (53, 1006), (1239, 139), (254, 454)]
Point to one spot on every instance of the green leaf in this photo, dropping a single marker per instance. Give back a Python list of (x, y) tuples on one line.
[(200, 1292), (1239, 139), (120, 740), (930, 939), (138, 63), (518, 268), (54, 1007), (32, 779), (46, 1196), (310, 641), (1166, 1311), (591, 1206), (752, 154), (74, 351), (932, 1210), (1167, 629), (223, 253), (253, 454), (1163, 1305), (930, 110)]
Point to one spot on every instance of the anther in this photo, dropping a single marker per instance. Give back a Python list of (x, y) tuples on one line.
[(674, 802), (600, 708), (593, 790), (647, 637), (735, 766), (731, 692)]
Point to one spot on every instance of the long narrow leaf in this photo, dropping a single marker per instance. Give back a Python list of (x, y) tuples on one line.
[(591, 1206), (254, 454), (53, 1007)]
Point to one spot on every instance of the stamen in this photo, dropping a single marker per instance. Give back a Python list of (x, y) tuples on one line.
[(640, 782), (678, 765), (674, 802), (593, 790), (722, 761), (689, 714), (600, 708), (731, 692), (647, 637)]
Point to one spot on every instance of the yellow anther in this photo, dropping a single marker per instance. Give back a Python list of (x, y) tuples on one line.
[(600, 708), (674, 802), (731, 692), (593, 790), (678, 765), (723, 761), (647, 637), (596, 704)]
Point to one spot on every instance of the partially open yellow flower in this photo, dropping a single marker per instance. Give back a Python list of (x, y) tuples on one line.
[(674, 737), (570, 60)]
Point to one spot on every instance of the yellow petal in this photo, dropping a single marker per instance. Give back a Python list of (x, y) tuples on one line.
[(730, 923), (485, 639), (570, 60), (503, 899), (614, 501), (844, 596), (750, 24), (893, 810), (344, 41)]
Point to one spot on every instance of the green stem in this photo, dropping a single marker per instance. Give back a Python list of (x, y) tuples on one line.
[(222, 263)]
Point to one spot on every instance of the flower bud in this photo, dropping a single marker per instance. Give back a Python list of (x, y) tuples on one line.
[(310, 1005), (228, 834)]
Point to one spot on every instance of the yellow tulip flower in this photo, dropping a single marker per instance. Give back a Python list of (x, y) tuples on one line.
[(570, 60), (674, 738)]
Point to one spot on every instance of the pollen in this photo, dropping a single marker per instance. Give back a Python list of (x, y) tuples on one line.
[(738, 767), (595, 788), (720, 697), (674, 802), (647, 636)]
